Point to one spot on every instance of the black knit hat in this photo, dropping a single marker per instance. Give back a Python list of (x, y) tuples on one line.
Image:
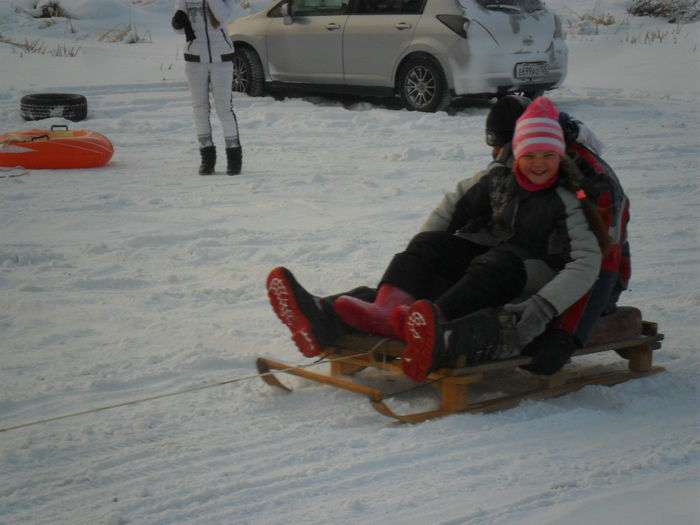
[(500, 122)]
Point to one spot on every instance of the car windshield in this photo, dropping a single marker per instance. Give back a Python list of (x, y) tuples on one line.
[(514, 6)]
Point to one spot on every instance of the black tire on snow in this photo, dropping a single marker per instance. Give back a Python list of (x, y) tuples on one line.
[(45, 105), (422, 85), (248, 74)]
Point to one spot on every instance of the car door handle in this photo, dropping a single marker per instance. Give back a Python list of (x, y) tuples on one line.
[(332, 26), (402, 25)]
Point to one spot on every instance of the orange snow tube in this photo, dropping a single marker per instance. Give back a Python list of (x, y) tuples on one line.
[(55, 149)]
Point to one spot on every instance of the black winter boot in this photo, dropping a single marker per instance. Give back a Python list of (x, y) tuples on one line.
[(208, 160), (234, 159)]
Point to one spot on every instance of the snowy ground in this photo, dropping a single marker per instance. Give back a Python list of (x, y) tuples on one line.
[(143, 278)]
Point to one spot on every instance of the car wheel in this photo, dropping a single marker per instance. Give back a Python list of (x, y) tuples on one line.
[(45, 105), (422, 85), (248, 75)]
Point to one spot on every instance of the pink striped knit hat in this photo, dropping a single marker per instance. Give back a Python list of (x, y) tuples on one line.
[(538, 129)]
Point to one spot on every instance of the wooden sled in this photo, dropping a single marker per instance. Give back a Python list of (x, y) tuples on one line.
[(623, 332)]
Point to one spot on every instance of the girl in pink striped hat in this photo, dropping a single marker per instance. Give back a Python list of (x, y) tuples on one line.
[(538, 145)]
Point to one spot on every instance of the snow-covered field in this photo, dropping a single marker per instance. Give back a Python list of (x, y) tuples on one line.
[(143, 278)]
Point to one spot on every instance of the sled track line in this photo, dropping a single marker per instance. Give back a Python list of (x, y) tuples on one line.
[(189, 390)]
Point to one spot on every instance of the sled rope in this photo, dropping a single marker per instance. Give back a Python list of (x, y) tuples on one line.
[(178, 392)]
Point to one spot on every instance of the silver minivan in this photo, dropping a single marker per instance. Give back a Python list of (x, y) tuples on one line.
[(425, 51)]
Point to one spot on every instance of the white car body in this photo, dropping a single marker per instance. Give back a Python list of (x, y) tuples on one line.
[(485, 48)]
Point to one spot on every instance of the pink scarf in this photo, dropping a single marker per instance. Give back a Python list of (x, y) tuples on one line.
[(528, 185)]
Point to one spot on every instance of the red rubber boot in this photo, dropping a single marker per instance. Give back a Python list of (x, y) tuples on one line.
[(397, 319), (373, 318), (301, 312)]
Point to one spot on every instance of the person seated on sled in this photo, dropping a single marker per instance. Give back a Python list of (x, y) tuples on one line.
[(570, 330), (508, 236)]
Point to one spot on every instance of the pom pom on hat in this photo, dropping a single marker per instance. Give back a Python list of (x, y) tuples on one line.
[(538, 129)]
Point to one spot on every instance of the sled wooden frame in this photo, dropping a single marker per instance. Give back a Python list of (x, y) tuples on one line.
[(353, 353)]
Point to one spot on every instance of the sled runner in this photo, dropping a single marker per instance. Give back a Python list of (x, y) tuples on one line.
[(486, 387)]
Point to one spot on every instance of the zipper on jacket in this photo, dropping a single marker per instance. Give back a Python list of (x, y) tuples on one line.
[(227, 39), (206, 28)]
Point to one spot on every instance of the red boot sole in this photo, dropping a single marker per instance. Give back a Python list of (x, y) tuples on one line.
[(281, 294), (420, 336)]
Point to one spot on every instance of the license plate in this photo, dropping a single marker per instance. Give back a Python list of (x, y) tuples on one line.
[(530, 70)]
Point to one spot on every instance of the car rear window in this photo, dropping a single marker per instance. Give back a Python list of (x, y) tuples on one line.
[(512, 5)]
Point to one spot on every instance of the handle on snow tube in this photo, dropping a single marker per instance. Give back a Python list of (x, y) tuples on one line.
[(39, 137), (59, 126)]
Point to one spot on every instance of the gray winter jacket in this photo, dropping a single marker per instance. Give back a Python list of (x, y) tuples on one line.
[(547, 229)]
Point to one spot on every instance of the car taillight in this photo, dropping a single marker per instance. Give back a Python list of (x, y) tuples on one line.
[(457, 23), (558, 30)]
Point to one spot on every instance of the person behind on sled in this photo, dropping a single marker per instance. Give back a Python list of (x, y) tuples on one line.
[(514, 232)]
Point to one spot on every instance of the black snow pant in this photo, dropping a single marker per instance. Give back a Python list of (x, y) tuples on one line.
[(461, 277)]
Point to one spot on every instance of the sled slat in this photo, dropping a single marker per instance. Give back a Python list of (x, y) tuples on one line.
[(637, 341)]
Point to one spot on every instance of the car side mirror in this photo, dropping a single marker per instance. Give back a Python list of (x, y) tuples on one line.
[(286, 10)]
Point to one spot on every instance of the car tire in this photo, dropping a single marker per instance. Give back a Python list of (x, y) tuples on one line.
[(45, 105), (248, 74), (422, 85)]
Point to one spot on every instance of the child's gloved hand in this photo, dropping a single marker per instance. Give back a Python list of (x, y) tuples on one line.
[(550, 351), (533, 315)]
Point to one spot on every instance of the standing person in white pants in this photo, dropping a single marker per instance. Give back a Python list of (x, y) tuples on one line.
[(209, 67)]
